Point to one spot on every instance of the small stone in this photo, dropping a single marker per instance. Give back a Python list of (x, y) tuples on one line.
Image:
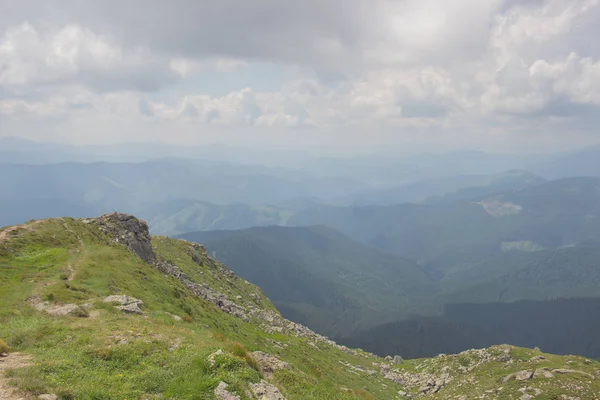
[(424, 389), (537, 358), (398, 360), (543, 373), (4, 355), (265, 391), (48, 397), (523, 375), (222, 393), (526, 397)]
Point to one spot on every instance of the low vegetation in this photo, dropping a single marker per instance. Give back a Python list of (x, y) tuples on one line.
[(150, 354)]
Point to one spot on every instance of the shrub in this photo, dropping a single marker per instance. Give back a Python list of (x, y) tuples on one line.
[(238, 350), (186, 318), (80, 312), (220, 336), (4, 348)]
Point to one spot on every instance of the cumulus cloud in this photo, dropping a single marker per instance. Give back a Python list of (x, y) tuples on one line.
[(349, 66)]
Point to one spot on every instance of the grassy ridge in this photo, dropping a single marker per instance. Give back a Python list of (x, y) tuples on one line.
[(113, 355)]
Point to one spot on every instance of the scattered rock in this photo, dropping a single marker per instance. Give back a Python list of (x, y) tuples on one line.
[(268, 363), (175, 317), (424, 389), (3, 354), (265, 391), (523, 375), (389, 358), (222, 393), (519, 376), (537, 358), (543, 373), (526, 397), (572, 371), (126, 303), (398, 360), (211, 358), (47, 397)]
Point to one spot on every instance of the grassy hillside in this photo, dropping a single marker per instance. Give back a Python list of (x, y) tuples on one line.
[(194, 330), (321, 278)]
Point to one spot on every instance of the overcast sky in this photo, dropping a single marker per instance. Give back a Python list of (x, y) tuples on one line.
[(509, 75)]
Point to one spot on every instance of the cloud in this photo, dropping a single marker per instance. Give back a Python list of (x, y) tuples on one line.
[(351, 66)]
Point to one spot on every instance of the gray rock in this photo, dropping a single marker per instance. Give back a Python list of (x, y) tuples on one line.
[(129, 231), (265, 391), (388, 358), (211, 358), (572, 371), (537, 358), (48, 397), (268, 363), (222, 393), (424, 389), (125, 303), (543, 373), (523, 375), (175, 317), (526, 397), (398, 360)]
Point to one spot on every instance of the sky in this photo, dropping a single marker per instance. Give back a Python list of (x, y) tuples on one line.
[(506, 75)]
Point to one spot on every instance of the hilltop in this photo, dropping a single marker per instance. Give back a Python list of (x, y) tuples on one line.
[(98, 309)]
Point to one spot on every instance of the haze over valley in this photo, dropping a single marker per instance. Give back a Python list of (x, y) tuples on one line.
[(314, 200)]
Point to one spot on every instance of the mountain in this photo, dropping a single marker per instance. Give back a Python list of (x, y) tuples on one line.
[(448, 237), (579, 163), (180, 216), (321, 278), (561, 326), (462, 187), (165, 188), (98, 309)]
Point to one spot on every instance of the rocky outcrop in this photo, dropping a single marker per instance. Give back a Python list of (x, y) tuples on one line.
[(129, 231), (133, 233), (203, 290)]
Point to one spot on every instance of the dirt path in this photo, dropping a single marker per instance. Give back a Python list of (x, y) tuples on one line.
[(14, 360)]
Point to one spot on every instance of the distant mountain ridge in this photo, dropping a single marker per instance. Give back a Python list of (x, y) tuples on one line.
[(320, 277)]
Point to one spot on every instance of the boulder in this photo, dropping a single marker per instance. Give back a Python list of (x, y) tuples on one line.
[(398, 360)]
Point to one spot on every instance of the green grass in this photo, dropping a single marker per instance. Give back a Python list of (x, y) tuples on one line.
[(111, 355)]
